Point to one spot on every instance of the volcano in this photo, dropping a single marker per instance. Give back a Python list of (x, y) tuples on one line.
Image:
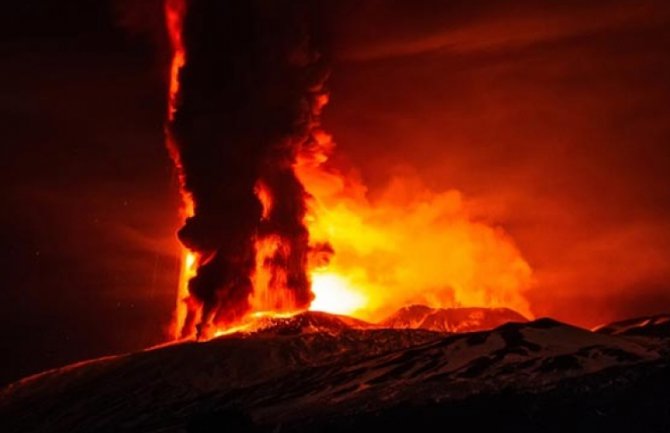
[(322, 372)]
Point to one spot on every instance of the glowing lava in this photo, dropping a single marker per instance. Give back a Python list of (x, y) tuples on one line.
[(334, 294)]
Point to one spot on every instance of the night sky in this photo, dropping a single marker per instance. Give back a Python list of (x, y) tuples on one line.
[(551, 117)]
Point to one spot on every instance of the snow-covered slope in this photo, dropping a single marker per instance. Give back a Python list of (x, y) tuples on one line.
[(649, 326), (292, 374), (451, 319), (514, 356)]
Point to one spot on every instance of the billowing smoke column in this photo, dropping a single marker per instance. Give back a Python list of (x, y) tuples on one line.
[(249, 95)]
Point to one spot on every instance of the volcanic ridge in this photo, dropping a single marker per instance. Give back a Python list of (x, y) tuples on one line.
[(320, 372)]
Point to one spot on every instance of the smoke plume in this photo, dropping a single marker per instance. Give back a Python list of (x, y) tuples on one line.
[(248, 103)]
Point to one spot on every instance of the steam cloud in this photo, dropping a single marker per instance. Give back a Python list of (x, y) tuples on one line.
[(249, 100)]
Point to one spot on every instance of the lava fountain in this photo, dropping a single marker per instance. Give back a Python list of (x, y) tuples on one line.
[(271, 226)]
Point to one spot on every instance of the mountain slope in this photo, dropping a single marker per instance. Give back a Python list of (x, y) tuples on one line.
[(647, 326), (307, 380)]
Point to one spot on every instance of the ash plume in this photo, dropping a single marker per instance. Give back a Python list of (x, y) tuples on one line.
[(248, 103)]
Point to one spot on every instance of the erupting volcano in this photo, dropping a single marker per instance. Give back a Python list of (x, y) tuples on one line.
[(246, 91), (344, 288), (271, 227)]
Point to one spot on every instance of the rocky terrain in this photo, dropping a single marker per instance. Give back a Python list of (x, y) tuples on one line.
[(318, 372)]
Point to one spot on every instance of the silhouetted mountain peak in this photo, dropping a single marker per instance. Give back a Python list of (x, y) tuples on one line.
[(465, 319)]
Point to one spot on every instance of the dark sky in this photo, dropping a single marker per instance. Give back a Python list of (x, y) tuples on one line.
[(551, 117), (89, 216)]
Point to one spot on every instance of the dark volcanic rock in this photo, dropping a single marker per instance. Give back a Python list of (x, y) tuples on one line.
[(317, 372), (307, 322)]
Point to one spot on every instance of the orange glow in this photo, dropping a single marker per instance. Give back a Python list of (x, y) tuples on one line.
[(270, 292), (409, 245), (186, 272), (174, 12), (265, 198), (252, 322), (334, 294)]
